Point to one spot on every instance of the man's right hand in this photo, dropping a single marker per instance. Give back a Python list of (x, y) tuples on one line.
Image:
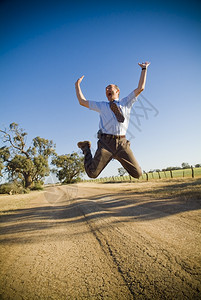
[(79, 80), (80, 96)]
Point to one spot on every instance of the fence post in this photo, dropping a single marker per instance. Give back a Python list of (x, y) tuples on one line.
[(192, 171), (159, 175), (171, 174)]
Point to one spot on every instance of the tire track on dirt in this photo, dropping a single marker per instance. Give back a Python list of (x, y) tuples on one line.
[(106, 248), (134, 285)]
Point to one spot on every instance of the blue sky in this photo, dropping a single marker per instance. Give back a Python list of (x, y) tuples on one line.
[(46, 45)]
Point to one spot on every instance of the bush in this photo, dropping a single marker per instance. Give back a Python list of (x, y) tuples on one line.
[(12, 189), (38, 186), (74, 180)]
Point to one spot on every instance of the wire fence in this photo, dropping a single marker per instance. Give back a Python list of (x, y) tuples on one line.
[(187, 173)]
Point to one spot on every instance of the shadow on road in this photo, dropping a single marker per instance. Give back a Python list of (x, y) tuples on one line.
[(126, 206)]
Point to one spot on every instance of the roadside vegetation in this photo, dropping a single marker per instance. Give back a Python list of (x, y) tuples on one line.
[(25, 166)]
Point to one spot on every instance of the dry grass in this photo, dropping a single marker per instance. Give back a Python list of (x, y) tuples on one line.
[(188, 188), (10, 203), (167, 188)]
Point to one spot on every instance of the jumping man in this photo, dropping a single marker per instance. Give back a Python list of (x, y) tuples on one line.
[(114, 120)]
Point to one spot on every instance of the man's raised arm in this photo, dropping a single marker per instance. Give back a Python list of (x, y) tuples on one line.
[(79, 94), (142, 81)]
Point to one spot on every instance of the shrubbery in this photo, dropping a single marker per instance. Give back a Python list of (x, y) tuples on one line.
[(12, 189), (17, 188), (38, 186)]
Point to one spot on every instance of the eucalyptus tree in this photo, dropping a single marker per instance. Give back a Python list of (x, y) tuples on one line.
[(26, 163), (69, 167)]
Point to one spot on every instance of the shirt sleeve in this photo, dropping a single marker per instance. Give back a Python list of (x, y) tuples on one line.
[(129, 100), (96, 106)]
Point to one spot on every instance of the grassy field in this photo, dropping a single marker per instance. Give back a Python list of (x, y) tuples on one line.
[(182, 173), (175, 174)]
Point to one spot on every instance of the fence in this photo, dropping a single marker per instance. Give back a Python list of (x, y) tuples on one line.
[(190, 173)]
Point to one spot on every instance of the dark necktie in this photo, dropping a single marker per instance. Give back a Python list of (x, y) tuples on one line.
[(117, 111)]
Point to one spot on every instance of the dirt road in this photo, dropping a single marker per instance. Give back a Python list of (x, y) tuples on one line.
[(93, 241)]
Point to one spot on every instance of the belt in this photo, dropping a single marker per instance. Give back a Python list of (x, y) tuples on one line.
[(112, 136)]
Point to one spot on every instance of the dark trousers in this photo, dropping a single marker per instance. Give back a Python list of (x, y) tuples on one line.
[(111, 147)]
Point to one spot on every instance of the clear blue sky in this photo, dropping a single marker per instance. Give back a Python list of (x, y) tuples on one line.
[(46, 45)]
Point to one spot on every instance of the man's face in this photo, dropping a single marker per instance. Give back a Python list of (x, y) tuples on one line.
[(112, 92)]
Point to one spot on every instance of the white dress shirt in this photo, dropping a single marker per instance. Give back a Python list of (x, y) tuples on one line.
[(108, 122)]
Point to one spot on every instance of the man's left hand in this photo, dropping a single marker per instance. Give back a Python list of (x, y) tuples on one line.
[(144, 65)]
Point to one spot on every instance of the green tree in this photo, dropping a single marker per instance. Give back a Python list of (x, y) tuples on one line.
[(185, 165), (69, 167), (26, 164), (4, 155)]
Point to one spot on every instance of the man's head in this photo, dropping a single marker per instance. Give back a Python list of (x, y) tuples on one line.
[(112, 92)]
